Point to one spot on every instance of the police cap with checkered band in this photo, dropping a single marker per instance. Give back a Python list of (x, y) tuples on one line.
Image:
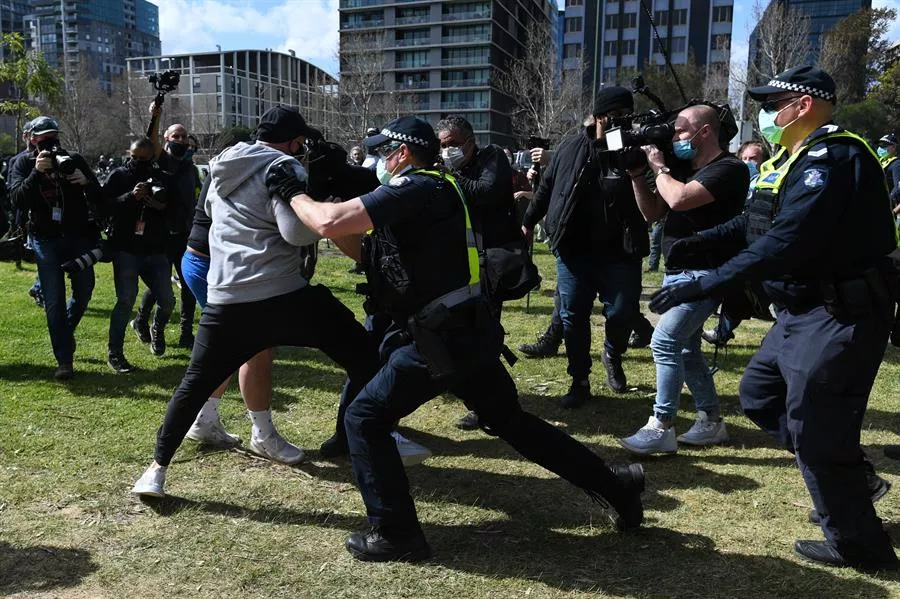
[(408, 130), (807, 80)]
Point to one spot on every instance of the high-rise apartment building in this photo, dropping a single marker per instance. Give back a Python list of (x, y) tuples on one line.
[(99, 34), (822, 14), (614, 39), (439, 57)]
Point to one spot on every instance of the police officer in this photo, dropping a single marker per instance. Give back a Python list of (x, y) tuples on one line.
[(422, 268), (887, 155), (817, 231)]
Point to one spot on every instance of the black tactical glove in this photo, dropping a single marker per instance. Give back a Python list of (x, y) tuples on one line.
[(281, 181), (674, 295)]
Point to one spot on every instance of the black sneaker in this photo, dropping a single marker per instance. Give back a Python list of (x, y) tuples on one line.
[(615, 376), (579, 393), (142, 329), (64, 372), (118, 363), (186, 340), (468, 422), (37, 295), (373, 546), (822, 552), (334, 447), (639, 340), (157, 341), (547, 345), (878, 488), (631, 516), (712, 337)]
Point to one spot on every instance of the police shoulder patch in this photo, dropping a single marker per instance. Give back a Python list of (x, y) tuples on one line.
[(814, 178), (398, 181)]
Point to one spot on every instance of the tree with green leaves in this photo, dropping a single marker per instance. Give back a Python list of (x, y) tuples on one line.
[(31, 80), (887, 93)]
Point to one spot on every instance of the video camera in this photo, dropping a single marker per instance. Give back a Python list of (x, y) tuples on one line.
[(163, 83)]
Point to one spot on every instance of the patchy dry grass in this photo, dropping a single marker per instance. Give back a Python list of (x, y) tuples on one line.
[(721, 521)]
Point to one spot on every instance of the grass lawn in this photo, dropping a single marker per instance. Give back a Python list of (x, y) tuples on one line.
[(720, 521)]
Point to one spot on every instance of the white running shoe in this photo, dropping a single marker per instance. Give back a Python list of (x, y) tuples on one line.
[(275, 448), (654, 437), (705, 431), (411, 453), (212, 434), (151, 482)]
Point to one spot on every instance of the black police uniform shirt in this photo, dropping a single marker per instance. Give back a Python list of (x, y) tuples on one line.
[(54, 206), (136, 228), (425, 216), (834, 222), (727, 180)]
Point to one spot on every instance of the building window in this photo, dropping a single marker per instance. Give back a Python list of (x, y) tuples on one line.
[(574, 2), (573, 24), (623, 21), (679, 44), (196, 84), (679, 17), (722, 42), (571, 50), (464, 56), (412, 59), (723, 14)]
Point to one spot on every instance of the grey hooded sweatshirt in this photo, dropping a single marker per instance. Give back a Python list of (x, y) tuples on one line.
[(254, 240)]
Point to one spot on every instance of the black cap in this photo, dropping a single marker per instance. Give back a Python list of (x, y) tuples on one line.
[(406, 129), (611, 98), (282, 123), (888, 140), (43, 124), (805, 80)]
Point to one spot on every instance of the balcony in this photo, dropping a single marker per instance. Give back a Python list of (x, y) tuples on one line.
[(359, 3), (411, 65), (475, 82), (465, 39), (465, 61), (413, 85), (480, 105), (362, 24), (467, 15), (412, 20), (416, 41)]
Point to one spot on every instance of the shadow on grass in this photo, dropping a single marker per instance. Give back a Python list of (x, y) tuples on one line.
[(41, 568), (653, 562)]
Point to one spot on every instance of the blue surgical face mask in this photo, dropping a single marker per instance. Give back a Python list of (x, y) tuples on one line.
[(683, 148), (751, 166), (882, 152)]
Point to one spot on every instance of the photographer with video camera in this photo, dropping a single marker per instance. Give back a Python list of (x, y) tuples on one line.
[(598, 237), (138, 203), (710, 192), (183, 187), (58, 192)]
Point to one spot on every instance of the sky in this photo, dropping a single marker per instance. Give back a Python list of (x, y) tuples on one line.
[(310, 27)]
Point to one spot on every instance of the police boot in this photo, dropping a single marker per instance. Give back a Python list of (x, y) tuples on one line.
[(376, 546), (547, 344), (615, 375), (336, 446)]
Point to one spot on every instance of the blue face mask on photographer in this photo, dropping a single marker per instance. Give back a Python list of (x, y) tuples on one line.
[(751, 166), (683, 148), (882, 152)]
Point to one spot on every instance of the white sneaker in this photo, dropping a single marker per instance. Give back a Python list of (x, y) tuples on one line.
[(151, 482), (275, 448), (212, 434), (705, 431), (411, 453), (654, 437)]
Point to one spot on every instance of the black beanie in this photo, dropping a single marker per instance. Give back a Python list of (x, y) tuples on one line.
[(612, 98)]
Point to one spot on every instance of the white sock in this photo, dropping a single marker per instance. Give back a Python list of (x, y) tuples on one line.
[(263, 427), (209, 413)]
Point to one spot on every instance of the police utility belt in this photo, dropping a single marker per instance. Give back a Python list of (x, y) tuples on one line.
[(846, 298)]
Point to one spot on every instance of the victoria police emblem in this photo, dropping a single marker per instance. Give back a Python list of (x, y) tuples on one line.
[(813, 178), (398, 181)]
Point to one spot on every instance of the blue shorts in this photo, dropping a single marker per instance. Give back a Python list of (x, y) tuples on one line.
[(194, 268)]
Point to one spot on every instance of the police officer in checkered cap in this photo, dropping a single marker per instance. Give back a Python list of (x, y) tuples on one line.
[(422, 270), (817, 232)]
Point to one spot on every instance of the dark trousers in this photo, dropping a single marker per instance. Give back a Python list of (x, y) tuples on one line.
[(808, 386), (656, 235), (230, 334), (403, 384), (175, 247), (581, 278)]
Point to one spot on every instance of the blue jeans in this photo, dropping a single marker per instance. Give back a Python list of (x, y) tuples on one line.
[(679, 360), (656, 234), (154, 271), (195, 267), (582, 277), (63, 318)]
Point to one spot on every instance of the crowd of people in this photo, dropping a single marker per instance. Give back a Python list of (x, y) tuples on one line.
[(440, 227)]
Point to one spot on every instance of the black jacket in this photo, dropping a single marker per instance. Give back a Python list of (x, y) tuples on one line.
[(583, 171), (126, 212), (36, 194), (487, 184)]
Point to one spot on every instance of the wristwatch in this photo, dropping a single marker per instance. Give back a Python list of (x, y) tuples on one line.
[(663, 169)]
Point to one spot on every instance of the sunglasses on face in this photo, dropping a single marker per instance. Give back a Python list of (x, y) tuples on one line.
[(772, 105), (388, 149)]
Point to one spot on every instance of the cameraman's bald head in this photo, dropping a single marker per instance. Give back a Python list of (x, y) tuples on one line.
[(176, 133), (701, 115)]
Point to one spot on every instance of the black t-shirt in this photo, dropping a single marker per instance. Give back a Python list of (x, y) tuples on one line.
[(424, 216), (727, 179), (199, 237)]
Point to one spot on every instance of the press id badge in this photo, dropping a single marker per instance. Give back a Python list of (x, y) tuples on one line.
[(56, 214), (139, 227)]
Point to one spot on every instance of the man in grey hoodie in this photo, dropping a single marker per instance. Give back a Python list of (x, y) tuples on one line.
[(257, 295)]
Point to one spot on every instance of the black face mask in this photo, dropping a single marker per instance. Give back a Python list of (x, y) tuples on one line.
[(176, 149), (47, 144), (141, 168)]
